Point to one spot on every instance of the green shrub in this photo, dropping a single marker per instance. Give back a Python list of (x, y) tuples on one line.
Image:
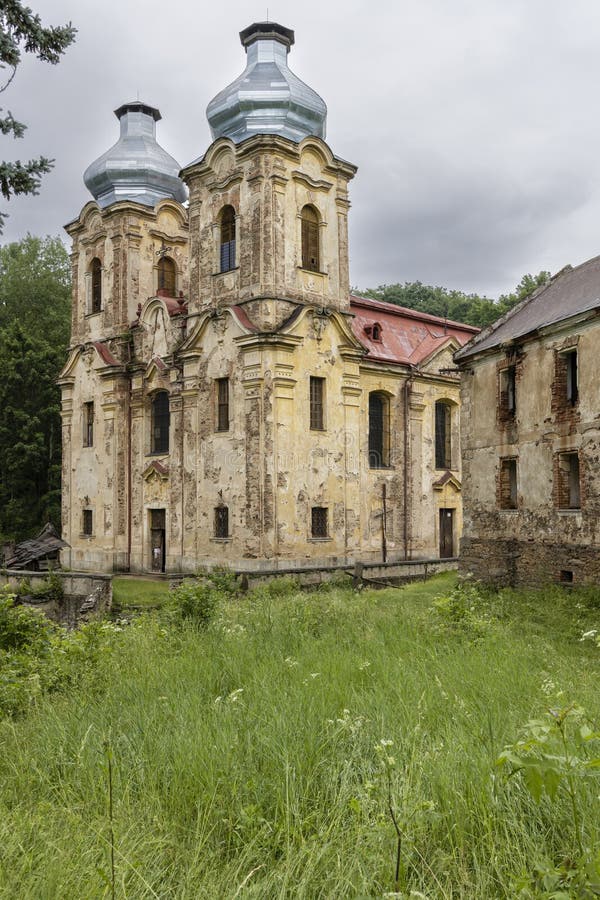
[(462, 611), (193, 601), (21, 627)]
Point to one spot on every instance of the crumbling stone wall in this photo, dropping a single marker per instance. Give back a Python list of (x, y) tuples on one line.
[(546, 537)]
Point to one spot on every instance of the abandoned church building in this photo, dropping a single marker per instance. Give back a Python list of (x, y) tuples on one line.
[(531, 437), (225, 399)]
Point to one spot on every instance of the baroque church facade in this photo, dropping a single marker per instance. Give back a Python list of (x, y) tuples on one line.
[(226, 400)]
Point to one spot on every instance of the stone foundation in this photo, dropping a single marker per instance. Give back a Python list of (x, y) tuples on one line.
[(515, 563)]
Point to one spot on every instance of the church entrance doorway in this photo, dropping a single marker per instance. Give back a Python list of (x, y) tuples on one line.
[(157, 540), (446, 533)]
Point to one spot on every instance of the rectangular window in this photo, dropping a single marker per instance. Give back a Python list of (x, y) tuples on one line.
[(222, 404), (88, 521), (319, 522), (507, 489), (88, 424), (221, 522), (317, 394), (568, 493), (572, 392), (443, 435)]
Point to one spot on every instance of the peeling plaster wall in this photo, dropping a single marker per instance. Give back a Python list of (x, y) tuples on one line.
[(537, 542), (268, 326)]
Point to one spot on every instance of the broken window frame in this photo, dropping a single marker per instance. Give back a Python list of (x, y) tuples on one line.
[(572, 376), (508, 499), (569, 473), (508, 391)]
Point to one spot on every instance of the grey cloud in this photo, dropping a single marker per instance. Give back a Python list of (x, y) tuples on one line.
[(473, 124)]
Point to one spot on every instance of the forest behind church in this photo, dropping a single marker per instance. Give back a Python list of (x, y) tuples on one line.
[(35, 301)]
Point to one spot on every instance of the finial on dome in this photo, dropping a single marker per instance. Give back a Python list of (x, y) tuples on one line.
[(267, 98), (136, 167)]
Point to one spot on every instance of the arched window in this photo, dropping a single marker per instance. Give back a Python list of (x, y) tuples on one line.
[(376, 332), (310, 239), (96, 276), (166, 276), (443, 435), (227, 239), (159, 438), (379, 430)]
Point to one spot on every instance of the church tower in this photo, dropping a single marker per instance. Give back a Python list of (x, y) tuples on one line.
[(268, 200)]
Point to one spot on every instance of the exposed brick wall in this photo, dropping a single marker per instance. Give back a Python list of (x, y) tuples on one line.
[(505, 416), (561, 486), (564, 411), (506, 490)]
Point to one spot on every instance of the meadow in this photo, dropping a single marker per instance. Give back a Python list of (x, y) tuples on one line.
[(332, 744)]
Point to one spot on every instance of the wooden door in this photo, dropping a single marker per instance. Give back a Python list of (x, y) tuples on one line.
[(446, 533)]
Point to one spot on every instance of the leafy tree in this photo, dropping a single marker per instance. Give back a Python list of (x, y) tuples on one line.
[(21, 29), (456, 305), (34, 334), (35, 288)]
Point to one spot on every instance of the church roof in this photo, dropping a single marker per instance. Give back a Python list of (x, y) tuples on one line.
[(570, 292), (406, 336), (136, 167), (267, 98)]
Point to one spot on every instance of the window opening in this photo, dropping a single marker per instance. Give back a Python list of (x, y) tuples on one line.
[(222, 404), (88, 424), (166, 276), (443, 435), (96, 272), (317, 392), (572, 386), (566, 576), (227, 261), (221, 521), (378, 431), (508, 484), (88, 522), (319, 527), (310, 239), (160, 423)]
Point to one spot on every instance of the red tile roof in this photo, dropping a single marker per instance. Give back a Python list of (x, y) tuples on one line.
[(408, 337), (105, 354)]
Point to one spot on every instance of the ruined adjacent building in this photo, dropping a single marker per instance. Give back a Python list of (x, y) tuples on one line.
[(226, 400), (531, 437)]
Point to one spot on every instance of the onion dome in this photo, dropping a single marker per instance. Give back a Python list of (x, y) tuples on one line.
[(267, 98), (136, 167)]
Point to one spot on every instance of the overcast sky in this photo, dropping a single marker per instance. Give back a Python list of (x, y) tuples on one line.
[(475, 124)]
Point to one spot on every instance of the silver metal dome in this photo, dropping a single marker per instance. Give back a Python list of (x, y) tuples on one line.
[(267, 98), (136, 167)]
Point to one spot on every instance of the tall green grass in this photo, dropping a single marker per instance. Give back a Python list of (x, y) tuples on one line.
[(245, 758)]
